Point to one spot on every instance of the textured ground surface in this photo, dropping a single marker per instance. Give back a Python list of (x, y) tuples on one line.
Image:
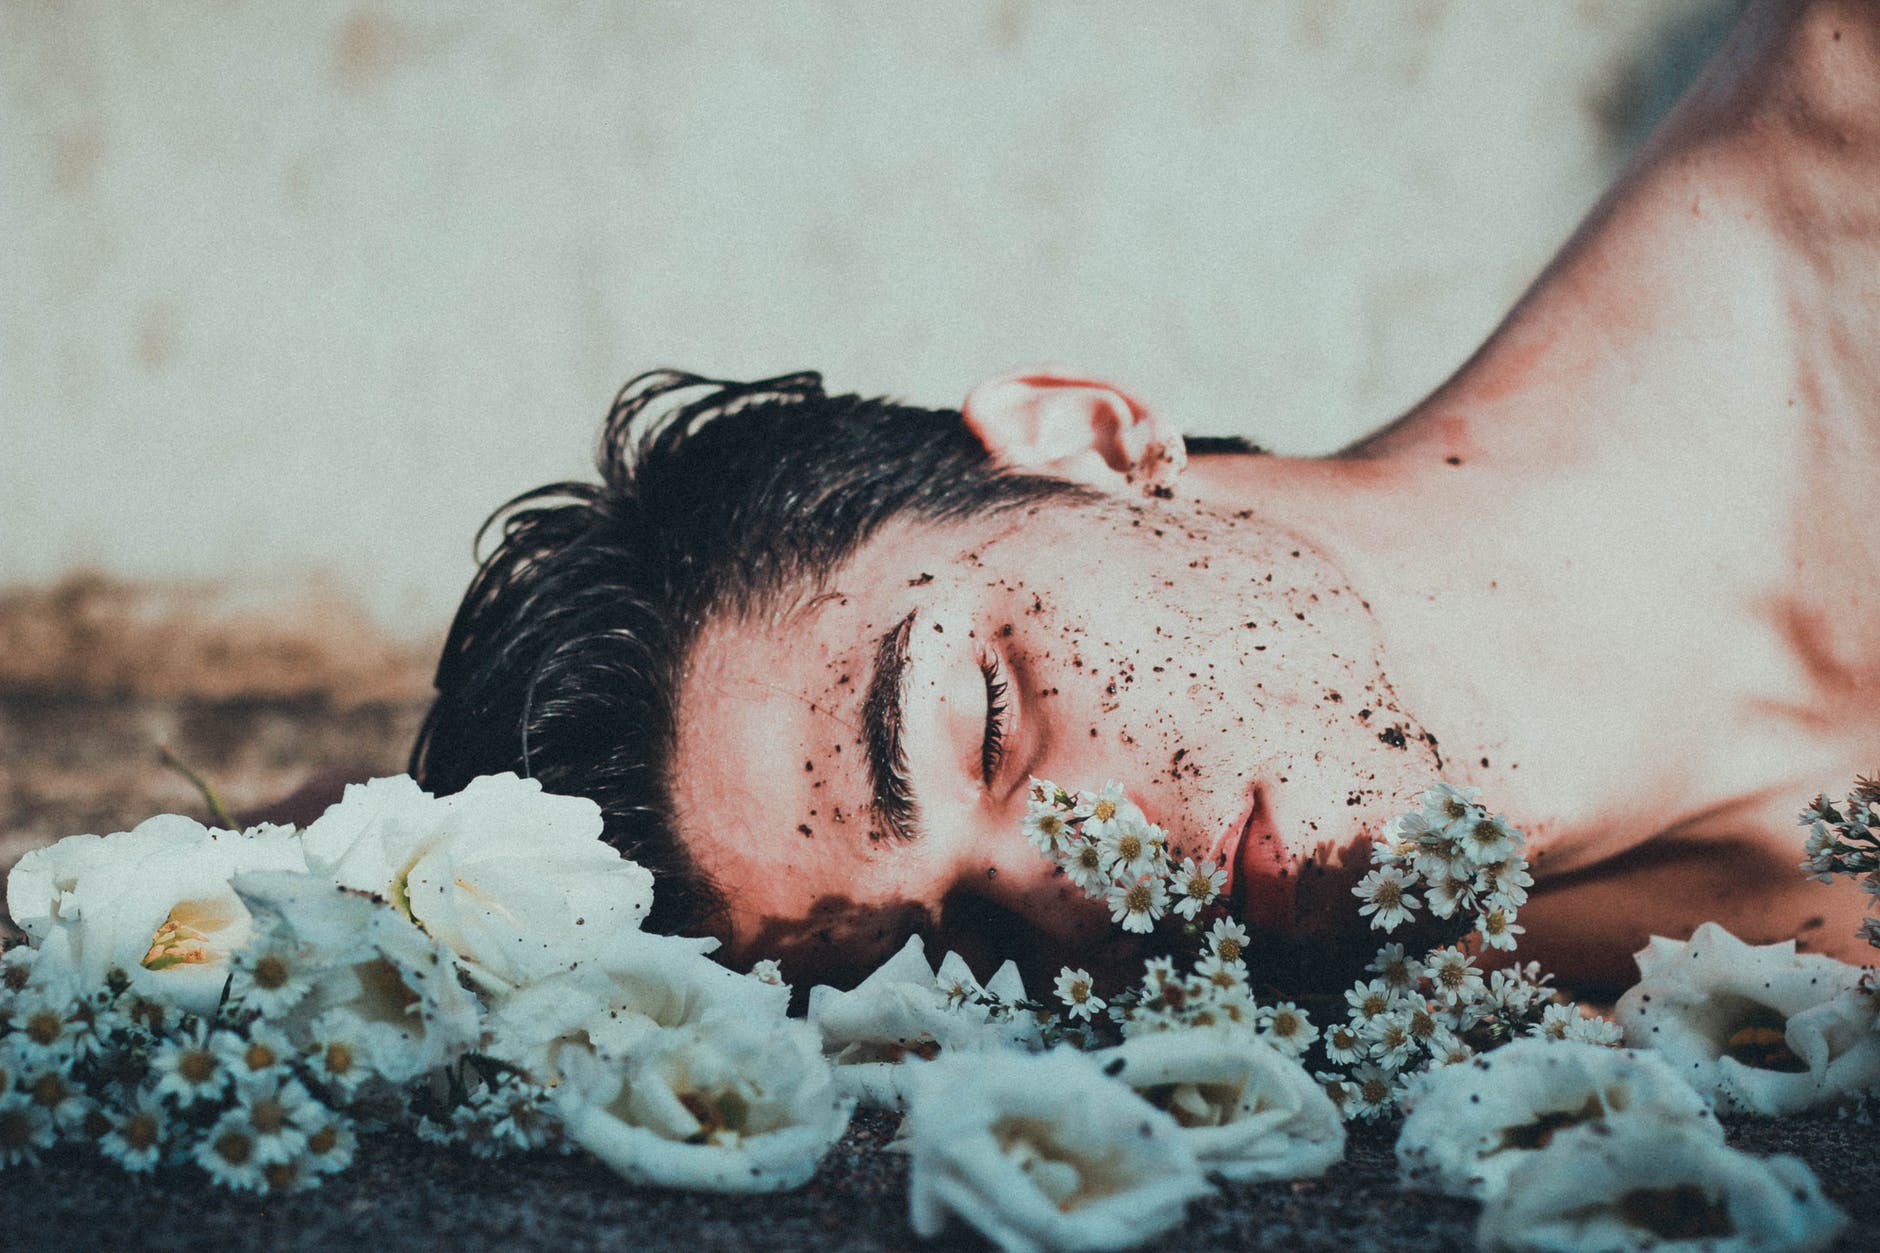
[(403, 1194)]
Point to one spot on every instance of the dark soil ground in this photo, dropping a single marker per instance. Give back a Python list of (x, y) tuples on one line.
[(403, 1194)]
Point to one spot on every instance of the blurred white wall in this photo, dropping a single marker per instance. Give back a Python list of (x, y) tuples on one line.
[(311, 287)]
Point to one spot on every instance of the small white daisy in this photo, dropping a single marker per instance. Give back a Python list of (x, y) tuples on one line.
[(1596, 1029), (1077, 992), (1446, 803), (54, 1090), (330, 1143), (335, 1056), (26, 1130), (261, 1054), (1392, 1045), (1499, 929), (1138, 905), (1227, 939), (188, 1068), (1101, 811), (1129, 850), (135, 1140), (1083, 865), (1449, 896), (1371, 1000), (1287, 1028), (1386, 896), (274, 1113), (1199, 883), (1446, 1048), (1048, 829), (227, 1151), (1487, 839), (1228, 976), (43, 1029), (1374, 1092), (1343, 1045), (271, 976), (1453, 976), (1399, 971), (1157, 973)]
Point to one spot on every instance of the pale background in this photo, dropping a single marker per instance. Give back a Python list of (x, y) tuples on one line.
[(294, 294)]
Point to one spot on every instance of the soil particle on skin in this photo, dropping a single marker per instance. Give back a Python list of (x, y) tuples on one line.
[(401, 1194)]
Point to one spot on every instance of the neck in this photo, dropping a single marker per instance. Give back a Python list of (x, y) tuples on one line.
[(1585, 551)]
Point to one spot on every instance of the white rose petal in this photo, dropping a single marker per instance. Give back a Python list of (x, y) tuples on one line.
[(668, 981), (1470, 1126), (1649, 1187), (1042, 1151), (1249, 1111), (731, 1106), (902, 1010), (1763, 1027), (513, 880), (154, 902), (375, 978)]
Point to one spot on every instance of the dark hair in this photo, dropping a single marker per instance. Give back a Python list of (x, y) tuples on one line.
[(564, 658)]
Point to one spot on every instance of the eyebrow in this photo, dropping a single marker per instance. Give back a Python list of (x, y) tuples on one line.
[(881, 734)]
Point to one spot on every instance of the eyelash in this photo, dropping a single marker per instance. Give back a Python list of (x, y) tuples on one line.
[(992, 748)]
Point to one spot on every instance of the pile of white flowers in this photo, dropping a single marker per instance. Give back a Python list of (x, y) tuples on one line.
[(473, 967)]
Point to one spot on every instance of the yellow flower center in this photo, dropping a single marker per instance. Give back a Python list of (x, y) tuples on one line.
[(1129, 848), (1228, 948), (1103, 811), (271, 973)]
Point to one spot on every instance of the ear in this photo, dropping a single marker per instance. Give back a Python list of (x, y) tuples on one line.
[(1061, 423)]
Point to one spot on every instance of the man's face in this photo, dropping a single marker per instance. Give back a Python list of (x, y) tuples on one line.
[(856, 766)]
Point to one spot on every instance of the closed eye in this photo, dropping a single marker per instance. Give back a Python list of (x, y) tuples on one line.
[(992, 746)]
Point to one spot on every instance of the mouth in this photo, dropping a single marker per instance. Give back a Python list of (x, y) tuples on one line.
[(1262, 885)]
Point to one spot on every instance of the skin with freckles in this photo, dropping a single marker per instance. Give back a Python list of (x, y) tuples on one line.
[(1621, 571), (1214, 662)]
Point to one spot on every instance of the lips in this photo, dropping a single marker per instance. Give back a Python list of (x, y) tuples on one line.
[(1262, 882)]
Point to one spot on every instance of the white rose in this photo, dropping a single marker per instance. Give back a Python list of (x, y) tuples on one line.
[(903, 1010), (1470, 1126), (1651, 1187), (374, 979), (513, 880), (670, 981), (1042, 1151), (1250, 1112), (729, 1106), (1763, 1027), (154, 902)]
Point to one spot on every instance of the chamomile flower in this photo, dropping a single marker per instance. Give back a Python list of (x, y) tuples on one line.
[(260, 1055), (1596, 1029), (274, 1113), (1105, 810), (1138, 905), (1392, 1045), (1399, 971), (1130, 850), (227, 1152), (1446, 1048), (272, 974), (334, 1055), (1372, 1094), (330, 1143), (1450, 896), (1446, 803), (1499, 929), (1157, 973), (26, 1130), (1075, 989), (1386, 896), (1227, 939), (1400, 840), (1199, 884), (519, 1114), (136, 1138), (1453, 975), (1084, 865), (1488, 840), (1504, 883), (1371, 1000), (1286, 1027), (1227, 976), (1555, 1022), (54, 1090), (43, 1027), (1343, 1045), (189, 1069), (1047, 827)]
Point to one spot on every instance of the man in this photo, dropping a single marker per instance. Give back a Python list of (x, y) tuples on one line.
[(1621, 572)]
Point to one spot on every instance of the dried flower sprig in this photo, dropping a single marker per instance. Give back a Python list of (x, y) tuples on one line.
[(1844, 841)]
